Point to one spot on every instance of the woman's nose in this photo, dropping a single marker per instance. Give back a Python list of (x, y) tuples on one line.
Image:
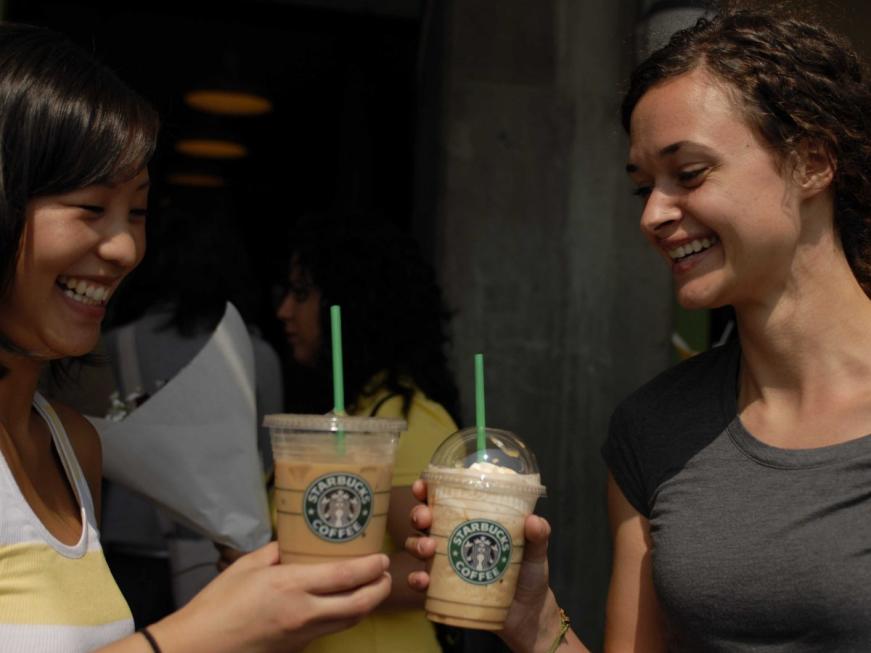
[(660, 210), (123, 246), (286, 307)]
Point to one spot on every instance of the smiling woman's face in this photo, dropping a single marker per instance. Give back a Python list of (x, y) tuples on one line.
[(75, 250), (716, 203), (300, 311)]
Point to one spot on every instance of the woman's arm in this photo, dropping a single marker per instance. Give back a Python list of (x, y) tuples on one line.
[(633, 619), (260, 606), (256, 605)]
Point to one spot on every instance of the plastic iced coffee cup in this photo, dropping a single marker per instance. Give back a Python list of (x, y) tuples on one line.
[(332, 499), (479, 503)]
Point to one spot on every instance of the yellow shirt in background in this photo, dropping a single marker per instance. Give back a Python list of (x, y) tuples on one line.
[(397, 631)]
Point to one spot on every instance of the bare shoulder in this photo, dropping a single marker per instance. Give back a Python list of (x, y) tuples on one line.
[(85, 441)]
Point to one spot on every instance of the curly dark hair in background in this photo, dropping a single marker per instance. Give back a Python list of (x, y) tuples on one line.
[(799, 85), (393, 316)]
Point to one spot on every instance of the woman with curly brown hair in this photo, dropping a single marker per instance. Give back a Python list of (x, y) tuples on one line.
[(738, 490)]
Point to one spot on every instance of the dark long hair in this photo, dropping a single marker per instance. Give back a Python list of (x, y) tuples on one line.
[(66, 122), (798, 85), (194, 265), (393, 316)]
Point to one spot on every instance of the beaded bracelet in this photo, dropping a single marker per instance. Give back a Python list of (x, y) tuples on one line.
[(150, 639), (564, 624)]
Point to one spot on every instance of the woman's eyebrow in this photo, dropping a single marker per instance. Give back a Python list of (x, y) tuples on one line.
[(668, 150)]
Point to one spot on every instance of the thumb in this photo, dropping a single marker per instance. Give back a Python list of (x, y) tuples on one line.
[(537, 532)]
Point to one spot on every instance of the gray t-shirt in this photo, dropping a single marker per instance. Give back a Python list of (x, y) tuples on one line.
[(755, 548)]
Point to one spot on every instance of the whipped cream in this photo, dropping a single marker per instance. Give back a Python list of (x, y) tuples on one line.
[(490, 468)]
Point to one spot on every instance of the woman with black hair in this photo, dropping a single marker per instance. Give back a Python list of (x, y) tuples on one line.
[(394, 338), (74, 147)]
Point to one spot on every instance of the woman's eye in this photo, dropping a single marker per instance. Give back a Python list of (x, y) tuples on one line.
[(138, 214), (689, 176), (91, 208)]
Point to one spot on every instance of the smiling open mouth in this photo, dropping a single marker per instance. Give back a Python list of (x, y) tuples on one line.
[(85, 292), (685, 251)]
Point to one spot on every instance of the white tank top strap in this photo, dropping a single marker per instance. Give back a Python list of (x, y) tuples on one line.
[(65, 453)]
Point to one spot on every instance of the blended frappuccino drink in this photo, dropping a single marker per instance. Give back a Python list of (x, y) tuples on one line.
[(332, 499), (479, 505)]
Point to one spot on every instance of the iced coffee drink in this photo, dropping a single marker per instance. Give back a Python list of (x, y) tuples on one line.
[(332, 500), (479, 508)]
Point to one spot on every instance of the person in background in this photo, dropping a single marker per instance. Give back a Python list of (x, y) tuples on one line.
[(74, 147), (738, 491), (394, 337), (161, 318)]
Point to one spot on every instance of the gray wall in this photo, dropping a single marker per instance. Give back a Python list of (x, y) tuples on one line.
[(528, 214)]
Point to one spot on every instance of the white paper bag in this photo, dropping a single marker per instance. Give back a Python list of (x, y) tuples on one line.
[(192, 446)]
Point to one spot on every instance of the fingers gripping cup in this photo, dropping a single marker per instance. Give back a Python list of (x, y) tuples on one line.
[(332, 501), (480, 499)]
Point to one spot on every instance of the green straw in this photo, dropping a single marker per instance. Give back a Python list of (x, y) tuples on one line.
[(480, 413), (338, 373)]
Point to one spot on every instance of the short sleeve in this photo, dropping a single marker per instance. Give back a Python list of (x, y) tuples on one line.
[(623, 454), (428, 426)]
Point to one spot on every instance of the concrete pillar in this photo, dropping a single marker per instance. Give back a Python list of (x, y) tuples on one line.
[(535, 235)]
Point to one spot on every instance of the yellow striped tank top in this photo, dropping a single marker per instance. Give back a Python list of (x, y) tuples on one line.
[(54, 597)]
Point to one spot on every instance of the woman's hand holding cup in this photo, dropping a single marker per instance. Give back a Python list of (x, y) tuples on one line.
[(534, 614), (257, 605)]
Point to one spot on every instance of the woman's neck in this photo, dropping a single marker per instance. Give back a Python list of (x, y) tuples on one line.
[(17, 388), (806, 357)]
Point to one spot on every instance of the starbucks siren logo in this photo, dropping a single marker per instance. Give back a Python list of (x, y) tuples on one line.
[(479, 550), (337, 506)]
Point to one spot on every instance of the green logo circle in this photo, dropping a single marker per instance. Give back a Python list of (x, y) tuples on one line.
[(479, 551), (337, 506)]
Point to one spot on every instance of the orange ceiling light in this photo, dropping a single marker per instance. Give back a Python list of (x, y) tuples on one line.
[(195, 180), (211, 148), (228, 102)]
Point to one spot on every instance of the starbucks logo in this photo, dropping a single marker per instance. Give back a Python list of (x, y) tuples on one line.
[(479, 550), (337, 506)]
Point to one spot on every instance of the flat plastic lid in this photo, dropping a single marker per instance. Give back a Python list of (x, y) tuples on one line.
[(505, 463), (330, 423)]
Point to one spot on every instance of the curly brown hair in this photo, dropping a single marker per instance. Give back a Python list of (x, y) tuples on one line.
[(799, 85)]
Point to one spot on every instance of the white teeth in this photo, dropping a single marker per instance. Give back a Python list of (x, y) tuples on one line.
[(83, 291), (82, 299), (692, 247)]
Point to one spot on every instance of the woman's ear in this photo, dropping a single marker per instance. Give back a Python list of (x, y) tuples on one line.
[(814, 169)]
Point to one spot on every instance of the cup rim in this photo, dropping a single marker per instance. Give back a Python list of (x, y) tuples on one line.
[(497, 483), (330, 423)]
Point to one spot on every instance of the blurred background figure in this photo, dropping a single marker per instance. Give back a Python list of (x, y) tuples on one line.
[(394, 326), (161, 319)]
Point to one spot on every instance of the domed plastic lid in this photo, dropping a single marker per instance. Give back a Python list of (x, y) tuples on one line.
[(331, 423), (506, 462)]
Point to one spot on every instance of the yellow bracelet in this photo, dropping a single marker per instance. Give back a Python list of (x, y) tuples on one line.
[(564, 624)]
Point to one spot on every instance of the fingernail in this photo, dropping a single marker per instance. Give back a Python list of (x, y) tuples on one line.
[(414, 516), (385, 562)]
